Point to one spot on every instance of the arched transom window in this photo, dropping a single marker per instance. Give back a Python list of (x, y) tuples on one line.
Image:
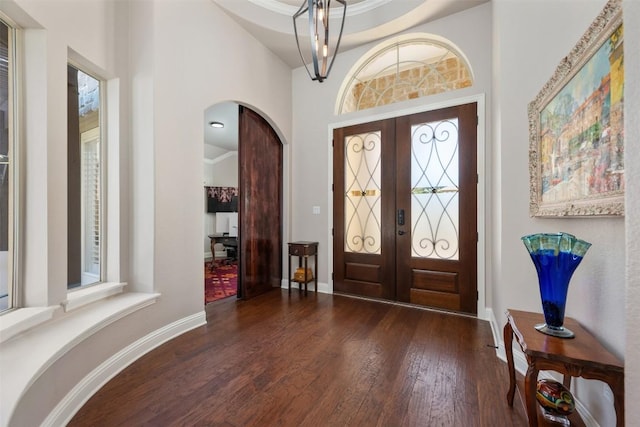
[(403, 70)]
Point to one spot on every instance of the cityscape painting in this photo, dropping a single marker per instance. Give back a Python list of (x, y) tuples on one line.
[(577, 128)]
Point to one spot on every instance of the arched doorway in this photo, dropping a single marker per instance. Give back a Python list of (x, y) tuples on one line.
[(248, 170), (405, 199)]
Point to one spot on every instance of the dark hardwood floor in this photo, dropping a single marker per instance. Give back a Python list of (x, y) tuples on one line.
[(319, 360)]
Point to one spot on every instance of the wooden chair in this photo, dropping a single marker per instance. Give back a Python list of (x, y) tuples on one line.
[(219, 255)]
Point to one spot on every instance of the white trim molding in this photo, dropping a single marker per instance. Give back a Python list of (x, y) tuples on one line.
[(220, 158), (54, 339), (323, 288), (82, 392), (22, 319), (81, 297)]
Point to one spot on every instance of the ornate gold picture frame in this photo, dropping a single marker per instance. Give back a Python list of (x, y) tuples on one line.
[(576, 127)]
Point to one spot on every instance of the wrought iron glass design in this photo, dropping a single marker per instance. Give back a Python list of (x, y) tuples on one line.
[(362, 196), (405, 70), (435, 190)]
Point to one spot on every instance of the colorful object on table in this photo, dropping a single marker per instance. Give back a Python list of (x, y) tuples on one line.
[(555, 397), (556, 256)]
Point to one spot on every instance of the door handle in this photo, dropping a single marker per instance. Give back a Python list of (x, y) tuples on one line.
[(400, 232)]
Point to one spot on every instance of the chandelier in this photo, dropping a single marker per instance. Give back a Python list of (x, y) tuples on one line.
[(323, 47)]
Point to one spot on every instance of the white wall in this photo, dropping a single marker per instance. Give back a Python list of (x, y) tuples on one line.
[(314, 105), (50, 41), (530, 39), (219, 65), (164, 88), (167, 88), (632, 154), (526, 42), (222, 172)]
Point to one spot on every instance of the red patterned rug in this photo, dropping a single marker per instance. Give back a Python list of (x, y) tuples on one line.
[(220, 283)]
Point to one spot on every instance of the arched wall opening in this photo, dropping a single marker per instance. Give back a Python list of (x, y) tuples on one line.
[(243, 176)]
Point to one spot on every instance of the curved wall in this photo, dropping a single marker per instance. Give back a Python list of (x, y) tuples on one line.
[(164, 87), (167, 61)]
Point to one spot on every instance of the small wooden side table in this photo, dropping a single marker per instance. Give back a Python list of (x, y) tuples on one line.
[(582, 356), (303, 250)]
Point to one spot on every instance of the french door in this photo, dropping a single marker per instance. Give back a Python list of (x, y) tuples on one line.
[(405, 203)]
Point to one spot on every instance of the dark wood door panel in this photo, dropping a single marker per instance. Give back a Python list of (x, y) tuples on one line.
[(399, 272), (435, 280), (260, 183), (455, 286), (365, 289), (443, 300), (365, 274)]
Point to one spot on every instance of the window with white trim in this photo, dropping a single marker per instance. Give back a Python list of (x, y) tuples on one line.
[(84, 179), (8, 184), (402, 70)]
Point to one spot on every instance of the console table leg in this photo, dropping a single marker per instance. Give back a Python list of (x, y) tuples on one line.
[(508, 349), (315, 272), (289, 274), (617, 388), (566, 381), (306, 279), (530, 385)]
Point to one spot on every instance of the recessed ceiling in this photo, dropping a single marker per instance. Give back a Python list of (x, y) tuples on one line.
[(271, 21), (277, 4)]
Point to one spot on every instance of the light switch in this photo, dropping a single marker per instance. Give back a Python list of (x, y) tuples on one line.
[(316, 210)]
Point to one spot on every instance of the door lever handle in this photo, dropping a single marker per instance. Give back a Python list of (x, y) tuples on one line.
[(400, 232)]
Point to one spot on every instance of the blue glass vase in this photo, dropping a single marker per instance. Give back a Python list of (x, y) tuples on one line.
[(556, 256)]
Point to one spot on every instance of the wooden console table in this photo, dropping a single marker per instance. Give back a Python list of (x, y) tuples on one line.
[(303, 250), (582, 356)]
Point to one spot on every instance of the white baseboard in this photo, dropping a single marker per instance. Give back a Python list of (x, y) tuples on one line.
[(495, 331), (80, 394), (323, 288)]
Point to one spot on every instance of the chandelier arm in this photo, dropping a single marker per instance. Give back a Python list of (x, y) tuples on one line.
[(319, 15), (299, 13), (313, 35)]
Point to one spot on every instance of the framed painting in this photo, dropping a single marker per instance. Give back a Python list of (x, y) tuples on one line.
[(576, 127), (222, 199)]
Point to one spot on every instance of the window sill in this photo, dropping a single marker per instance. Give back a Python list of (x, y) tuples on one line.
[(18, 321), (23, 319), (82, 297)]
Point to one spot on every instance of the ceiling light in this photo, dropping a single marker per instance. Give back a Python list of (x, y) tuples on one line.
[(216, 124), (322, 48)]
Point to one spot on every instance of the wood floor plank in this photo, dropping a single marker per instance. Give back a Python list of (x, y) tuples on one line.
[(315, 360)]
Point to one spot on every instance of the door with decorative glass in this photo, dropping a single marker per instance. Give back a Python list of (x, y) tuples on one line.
[(405, 197)]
